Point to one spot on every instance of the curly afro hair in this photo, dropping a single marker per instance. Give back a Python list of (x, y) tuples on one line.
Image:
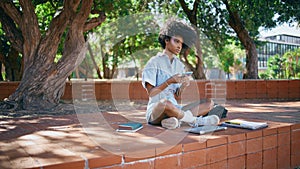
[(174, 27)]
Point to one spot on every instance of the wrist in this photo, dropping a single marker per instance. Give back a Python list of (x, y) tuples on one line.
[(166, 82)]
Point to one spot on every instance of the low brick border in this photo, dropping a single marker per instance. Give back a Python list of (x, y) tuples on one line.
[(235, 89)]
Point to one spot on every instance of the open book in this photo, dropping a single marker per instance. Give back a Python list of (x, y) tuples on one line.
[(245, 124)]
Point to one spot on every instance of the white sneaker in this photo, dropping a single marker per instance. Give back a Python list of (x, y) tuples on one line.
[(170, 123), (211, 120)]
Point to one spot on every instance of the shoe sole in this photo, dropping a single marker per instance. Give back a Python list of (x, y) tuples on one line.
[(213, 121), (170, 123)]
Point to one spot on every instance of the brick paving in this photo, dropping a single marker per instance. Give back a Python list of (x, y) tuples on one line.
[(33, 142)]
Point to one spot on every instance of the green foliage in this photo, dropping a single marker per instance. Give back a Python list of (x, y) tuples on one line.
[(256, 13), (264, 75), (231, 57), (3, 75), (45, 13), (113, 43), (292, 64), (211, 20), (288, 11), (283, 67), (276, 67), (227, 60)]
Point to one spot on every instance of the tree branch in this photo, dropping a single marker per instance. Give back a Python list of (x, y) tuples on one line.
[(10, 9), (12, 33), (191, 14), (30, 32), (94, 61), (94, 22), (85, 10), (75, 46), (185, 7), (195, 7), (56, 29), (236, 23)]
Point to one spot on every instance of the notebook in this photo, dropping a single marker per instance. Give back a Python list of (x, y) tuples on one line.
[(245, 124), (205, 129)]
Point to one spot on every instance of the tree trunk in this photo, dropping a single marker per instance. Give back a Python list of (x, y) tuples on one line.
[(1, 77), (44, 80), (198, 70), (199, 67), (251, 54), (2, 60), (94, 62), (106, 70), (13, 64)]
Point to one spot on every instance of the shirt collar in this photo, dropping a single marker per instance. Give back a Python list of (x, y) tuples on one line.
[(166, 56)]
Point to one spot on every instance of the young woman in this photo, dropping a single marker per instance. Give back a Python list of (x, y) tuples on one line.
[(163, 78)]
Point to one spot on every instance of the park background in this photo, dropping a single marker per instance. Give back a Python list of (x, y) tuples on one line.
[(52, 42), (60, 72)]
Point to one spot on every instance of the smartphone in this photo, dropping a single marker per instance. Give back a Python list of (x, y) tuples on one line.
[(187, 73)]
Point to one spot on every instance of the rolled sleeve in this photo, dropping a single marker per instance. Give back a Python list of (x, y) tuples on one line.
[(149, 75)]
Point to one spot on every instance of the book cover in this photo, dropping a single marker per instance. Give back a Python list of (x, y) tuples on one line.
[(129, 127), (245, 124)]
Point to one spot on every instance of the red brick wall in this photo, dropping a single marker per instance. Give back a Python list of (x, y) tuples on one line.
[(235, 89), (276, 147), (7, 88)]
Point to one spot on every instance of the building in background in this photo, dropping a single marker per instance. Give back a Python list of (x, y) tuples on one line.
[(275, 44)]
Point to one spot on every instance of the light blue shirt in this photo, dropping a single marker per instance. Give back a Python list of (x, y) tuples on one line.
[(158, 69)]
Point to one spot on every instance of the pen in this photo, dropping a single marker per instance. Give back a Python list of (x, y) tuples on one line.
[(232, 122)]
